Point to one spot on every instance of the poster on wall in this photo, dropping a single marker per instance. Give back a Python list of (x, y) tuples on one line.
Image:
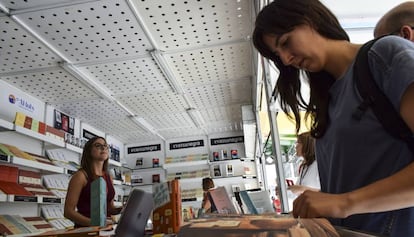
[(64, 122), (58, 120)]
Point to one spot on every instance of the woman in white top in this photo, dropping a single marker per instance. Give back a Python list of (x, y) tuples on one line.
[(308, 170)]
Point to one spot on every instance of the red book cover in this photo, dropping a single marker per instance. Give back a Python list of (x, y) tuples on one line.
[(42, 128), (28, 122), (55, 131), (8, 181), (9, 173), (167, 218), (14, 188), (4, 230)]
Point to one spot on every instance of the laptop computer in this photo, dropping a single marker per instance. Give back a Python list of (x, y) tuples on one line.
[(135, 214)]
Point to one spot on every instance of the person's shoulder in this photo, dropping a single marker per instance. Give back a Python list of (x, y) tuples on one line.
[(80, 175), (391, 44)]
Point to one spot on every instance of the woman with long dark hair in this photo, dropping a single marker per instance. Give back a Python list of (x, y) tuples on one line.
[(94, 164), (365, 173)]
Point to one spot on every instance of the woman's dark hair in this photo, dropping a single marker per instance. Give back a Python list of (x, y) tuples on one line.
[(280, 17), (207, 183), (308, 148), (87, 157)]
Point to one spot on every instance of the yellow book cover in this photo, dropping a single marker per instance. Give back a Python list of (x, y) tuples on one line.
[(19, 119)]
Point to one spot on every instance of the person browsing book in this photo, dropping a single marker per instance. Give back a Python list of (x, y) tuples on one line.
[(308, 169), (94, 164), (365, 173)]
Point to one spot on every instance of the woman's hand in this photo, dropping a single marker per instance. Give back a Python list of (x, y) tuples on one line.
[(311, 204)]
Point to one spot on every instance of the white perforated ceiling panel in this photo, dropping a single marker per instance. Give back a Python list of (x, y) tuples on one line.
[(53, 86), (104, 61), (91, 31), (21, 51), (129, 77), (194, 23)]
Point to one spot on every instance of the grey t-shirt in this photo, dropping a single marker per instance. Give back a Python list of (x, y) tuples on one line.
[(353, 153)]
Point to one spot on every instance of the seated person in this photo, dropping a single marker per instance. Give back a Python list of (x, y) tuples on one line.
[(94, 164)]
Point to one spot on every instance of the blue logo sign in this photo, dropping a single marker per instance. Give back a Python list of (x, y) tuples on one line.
[(22, 103)]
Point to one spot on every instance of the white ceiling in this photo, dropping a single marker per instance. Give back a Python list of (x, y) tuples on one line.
[(103, 61), (100, 61)]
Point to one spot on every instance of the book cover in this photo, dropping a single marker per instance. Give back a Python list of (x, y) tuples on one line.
[(17, 225), (19, 119), (234, 154), (223, 155), (65, 122), (58, 120), (156, 178), (71, 125), (258, 225), (220, 201), (216, 156), (139, 162), (247, 203), (42, 128), (18, 153), (229, 170), (5, 150), (216, 171), (98, 202), (35, 125), (28, 122), (78, 232), (261, 200), (155, 162), (167, 218)]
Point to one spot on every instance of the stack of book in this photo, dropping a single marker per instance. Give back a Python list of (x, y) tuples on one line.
[(54, 215), (9, 181), (57, 184), (17, 225), (32, 182)]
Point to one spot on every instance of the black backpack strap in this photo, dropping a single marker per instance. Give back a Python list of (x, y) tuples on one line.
[(373, 97)]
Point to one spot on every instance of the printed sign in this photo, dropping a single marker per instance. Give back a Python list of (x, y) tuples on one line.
[(189, 144), (226, 140), (141, 149), (88, 135)]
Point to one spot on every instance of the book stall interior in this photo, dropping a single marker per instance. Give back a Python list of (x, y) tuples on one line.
[(176, 88)]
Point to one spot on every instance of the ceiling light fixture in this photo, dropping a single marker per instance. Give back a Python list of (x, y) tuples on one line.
[(196, 117), (162, 63)]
